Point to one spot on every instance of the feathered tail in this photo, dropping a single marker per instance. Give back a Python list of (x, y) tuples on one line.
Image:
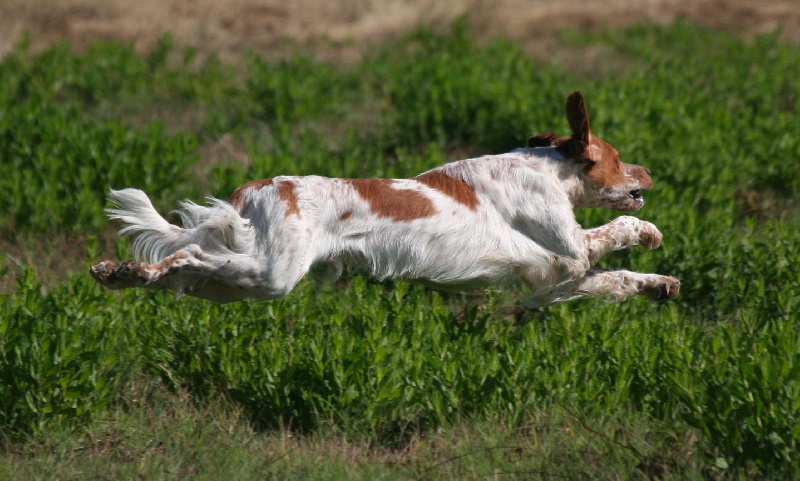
[(216, 228)]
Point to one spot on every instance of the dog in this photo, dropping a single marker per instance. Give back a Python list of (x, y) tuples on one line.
[(492, 220)]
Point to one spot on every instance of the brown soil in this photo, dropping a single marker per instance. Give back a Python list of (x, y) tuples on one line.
[(341, 29)]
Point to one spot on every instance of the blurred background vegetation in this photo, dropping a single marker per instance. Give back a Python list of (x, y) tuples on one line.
[(706, 386)]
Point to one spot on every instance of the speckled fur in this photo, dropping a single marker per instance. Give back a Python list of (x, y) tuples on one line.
[(496, 219)]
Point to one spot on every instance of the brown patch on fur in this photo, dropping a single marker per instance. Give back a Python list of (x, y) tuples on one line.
[(578, 118), (576, 145), (639, 173), (453, 187), (237, 198), (399, 205), (601, 161), (287, 194), (541, 140), (605, 169), (603, 166), (570, 147), (346, 215)]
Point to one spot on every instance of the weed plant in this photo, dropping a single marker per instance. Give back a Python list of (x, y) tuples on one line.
[(713, 116)]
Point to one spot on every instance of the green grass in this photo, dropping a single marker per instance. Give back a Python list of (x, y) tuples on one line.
[(163, 435), (367, 380)]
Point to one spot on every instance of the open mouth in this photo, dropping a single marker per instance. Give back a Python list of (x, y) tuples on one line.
[(634, 194)]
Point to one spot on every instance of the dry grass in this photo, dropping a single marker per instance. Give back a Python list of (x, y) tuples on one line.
[(340, 30)]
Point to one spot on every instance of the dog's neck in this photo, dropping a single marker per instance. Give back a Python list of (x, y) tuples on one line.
[(545, 163)]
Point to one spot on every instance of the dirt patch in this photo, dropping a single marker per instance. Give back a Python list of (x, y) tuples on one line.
[(53, 258), (341, 30)]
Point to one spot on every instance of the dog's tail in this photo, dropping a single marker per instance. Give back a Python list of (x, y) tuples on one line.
[(216, 228)]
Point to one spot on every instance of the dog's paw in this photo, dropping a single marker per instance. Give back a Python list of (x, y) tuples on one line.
[(111, 276), (664, 288), (649, 236), (102, 272)]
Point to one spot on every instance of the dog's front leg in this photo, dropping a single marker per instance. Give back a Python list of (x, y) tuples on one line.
[(616, 284), (622, 232)]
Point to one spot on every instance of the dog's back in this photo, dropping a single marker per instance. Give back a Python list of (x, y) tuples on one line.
[(489, 220)]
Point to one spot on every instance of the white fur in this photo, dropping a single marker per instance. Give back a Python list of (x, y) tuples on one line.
[(521, 228), (217, 227)]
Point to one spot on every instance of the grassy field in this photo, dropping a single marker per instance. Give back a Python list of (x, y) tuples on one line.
[(358, 380)]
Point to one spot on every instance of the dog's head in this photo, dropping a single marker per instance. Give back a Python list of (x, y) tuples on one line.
[(608, 182)]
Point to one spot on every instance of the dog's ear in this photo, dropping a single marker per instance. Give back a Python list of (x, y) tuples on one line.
[(541, 140), (578, 118)]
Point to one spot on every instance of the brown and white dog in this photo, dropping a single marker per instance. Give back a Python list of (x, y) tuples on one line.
[(496, 219)]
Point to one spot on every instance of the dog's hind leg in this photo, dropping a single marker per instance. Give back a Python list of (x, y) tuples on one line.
[(217, 254), (220, 277)]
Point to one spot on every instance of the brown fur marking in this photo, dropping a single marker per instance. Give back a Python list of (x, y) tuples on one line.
[(453, 187), (541, 140), (600, 159), (346, 215), (578, 118), (237, 198), (605, 169), (399, 205), (570, 147), (287, 194)]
